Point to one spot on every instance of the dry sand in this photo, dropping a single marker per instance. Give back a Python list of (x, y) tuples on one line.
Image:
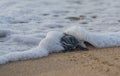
[(95, 62)]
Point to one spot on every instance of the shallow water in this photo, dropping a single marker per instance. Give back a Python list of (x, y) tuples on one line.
[(26, 22)]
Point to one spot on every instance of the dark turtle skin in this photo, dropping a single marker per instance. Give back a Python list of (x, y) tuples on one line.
[(70, 43)]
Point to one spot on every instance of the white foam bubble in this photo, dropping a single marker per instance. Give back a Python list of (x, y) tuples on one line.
[(30, 54), (48, 45), (97, 39), (51, 43)]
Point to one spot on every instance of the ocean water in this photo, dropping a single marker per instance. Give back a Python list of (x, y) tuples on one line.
[(24, 23)]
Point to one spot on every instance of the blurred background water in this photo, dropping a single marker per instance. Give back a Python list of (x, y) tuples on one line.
[(28, 21)]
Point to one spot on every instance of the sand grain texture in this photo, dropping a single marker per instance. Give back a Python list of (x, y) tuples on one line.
[(95, 62)]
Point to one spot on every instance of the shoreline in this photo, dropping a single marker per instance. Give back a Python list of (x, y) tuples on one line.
[(99, 62)]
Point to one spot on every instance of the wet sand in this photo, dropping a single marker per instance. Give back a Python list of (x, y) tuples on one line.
[(95, 62)]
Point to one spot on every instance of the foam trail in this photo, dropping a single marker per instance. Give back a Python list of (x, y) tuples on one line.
[(48, 45), (33, 53), (51, 43), (99, 40)]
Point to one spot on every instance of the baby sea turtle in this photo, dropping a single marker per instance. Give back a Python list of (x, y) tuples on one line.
[(70, 43)]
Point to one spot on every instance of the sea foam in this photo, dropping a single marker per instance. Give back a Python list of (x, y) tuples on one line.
[(98, 40), (51, 43)]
